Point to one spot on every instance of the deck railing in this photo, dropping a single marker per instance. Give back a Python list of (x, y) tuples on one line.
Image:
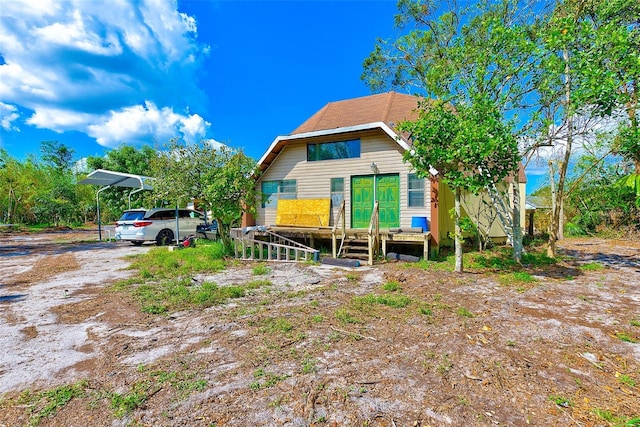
[(277, 248), (339, 220), (374, 233)]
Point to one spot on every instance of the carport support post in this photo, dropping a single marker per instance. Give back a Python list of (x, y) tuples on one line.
[(177, 225), (98, 211)]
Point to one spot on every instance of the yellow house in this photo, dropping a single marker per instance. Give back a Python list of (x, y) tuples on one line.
[(349, 156)]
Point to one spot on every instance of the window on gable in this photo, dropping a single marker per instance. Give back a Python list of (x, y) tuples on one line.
[(337, 191), (274, 190), (333, 150), (415, 190)]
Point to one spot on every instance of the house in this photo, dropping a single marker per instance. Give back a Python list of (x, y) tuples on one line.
[(342, 160)]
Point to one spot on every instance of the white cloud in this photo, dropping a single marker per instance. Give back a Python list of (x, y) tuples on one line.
[(193, 127), (112, 69), (8, 114), (214, 144), (140, 124)]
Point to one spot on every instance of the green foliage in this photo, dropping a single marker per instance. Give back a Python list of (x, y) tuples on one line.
[(47, 403), (43, 192), (276, 325), (464, 312), (125, 159), (516, 278), (56, 155), (560, 401), (124, 403), (168, 283), (570, 58), (592, 266), (615, 420), (345, 316), (395, 301), (471, 138), (626, 380), (623, 336), (391, 286), (309, 365), (631, 183), (260, 270), (266, 379), (600, 198), (220, 178)]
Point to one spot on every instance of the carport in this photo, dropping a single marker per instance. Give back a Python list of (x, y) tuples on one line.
[(107, 179)]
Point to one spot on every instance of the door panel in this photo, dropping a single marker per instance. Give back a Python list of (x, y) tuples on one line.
[(361, 201), (387, 192), (388, 195)]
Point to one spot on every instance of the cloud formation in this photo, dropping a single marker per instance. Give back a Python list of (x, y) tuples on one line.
[(119, 71)]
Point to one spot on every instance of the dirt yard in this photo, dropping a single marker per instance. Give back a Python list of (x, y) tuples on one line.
[(320, 345)]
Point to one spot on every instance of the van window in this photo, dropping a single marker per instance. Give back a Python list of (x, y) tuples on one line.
[(132, 216)]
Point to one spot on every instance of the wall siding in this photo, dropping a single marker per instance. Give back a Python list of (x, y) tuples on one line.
[(314, 178)]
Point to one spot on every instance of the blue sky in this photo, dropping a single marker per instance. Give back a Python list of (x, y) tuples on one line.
[(97, 74)]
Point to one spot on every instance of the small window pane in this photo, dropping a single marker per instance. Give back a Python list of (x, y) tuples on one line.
[(337, 191), (288, 186), (337, 185), (269, 193), (415, 194)]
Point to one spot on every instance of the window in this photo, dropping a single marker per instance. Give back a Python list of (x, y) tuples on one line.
[(333, 150), (274, 190), (415, 194), (337, 191)]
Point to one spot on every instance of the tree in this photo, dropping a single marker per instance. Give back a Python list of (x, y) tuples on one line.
[(56, 199), (474, 58), (586, 69), (221, 179), (231, 189), (470, 148), (126, 159), (57, 155)]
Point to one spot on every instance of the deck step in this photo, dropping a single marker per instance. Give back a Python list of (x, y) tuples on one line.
[(351, 255)]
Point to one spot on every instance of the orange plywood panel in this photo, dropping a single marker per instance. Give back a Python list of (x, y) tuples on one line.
[(303, 212)]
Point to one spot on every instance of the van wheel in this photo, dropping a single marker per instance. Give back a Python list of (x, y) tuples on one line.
[(164, 237), (137, 242)]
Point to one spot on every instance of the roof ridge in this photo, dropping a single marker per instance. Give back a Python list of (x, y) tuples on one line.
[(323, 111), (387, 107)]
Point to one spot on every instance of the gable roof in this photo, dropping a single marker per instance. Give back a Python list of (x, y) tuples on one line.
[(390, 108), (382, 111)]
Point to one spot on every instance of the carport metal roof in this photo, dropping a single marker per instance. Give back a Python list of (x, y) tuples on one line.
[(108, 179)]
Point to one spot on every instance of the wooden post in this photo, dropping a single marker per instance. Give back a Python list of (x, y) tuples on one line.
[(425, 249), (334, 244), (384, 245)]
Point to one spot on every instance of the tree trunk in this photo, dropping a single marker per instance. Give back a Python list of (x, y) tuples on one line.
[(458, 231), (555, 232), (515, 219), (551, 247), (224, 233)]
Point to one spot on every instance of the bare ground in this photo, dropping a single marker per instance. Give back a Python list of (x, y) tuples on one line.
[(469, 350)]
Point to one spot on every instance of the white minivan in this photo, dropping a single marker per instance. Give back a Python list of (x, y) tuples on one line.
[(159, 225)]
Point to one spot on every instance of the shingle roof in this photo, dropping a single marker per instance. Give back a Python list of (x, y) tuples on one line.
[(390, 108)]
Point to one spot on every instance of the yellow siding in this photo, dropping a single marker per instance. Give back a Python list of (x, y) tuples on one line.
[(314, 178)]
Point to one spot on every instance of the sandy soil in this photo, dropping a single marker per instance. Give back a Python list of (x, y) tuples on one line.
[(468, 350)]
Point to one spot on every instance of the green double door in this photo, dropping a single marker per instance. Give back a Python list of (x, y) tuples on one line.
[(383, 188)]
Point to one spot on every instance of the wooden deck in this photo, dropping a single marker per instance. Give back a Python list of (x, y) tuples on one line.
[(291, 250)]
